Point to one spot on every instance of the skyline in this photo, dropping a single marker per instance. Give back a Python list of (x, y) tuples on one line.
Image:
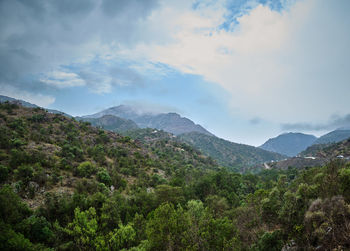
[(245, 70)]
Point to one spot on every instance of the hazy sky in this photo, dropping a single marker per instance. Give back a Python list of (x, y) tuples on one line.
[(246, 70)]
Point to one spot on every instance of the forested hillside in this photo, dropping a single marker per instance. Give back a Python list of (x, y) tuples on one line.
[(66, 185), (235, 156), (329, 151)]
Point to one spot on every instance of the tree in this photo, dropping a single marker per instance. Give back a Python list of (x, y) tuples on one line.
[(103, 176), (327, 224), (165, 228), (122, 237), (86, 169), (83, 229)]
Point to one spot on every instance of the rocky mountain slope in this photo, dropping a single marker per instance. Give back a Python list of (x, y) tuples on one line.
[(169, 122), (289, 144)]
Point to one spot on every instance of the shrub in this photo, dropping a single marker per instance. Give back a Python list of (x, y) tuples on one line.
[(85, 169), (103, 176), (4, 173), (25, 173)]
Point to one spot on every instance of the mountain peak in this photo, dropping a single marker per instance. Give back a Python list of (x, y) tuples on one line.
[(289, 144), (170, 122)]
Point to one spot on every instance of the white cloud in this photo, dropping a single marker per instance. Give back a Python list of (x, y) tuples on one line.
[(62, 79), (34, 98), (287, 66)]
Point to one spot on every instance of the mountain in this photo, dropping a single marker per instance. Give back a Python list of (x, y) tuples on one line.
[(111, 122), (334, 136), (289, 144), (169, 122), (4, 99), (229, 154), (329, 151)]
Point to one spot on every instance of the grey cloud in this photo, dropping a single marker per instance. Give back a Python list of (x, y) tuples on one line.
[(126, 77), (142, 7), (103, 81), (40, 36), (255, 121), (333, 123)]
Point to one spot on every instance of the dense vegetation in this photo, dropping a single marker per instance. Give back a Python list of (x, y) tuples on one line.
[(238, 157), (68, 186)]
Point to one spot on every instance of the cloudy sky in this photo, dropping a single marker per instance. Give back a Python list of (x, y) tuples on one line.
[(246, 70)]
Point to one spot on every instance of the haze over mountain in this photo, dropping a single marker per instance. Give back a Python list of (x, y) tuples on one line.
[(289, 144), (169, 122), (111, 122)]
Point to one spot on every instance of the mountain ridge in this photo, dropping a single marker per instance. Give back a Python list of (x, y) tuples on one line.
[(289, 144), (111, 122), (335, 136), (170, 122), (4, 99), (227, 153)]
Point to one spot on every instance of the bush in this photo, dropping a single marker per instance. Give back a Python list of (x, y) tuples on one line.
[(85, 169), (103, 176), (37, 229), (271, 241), (25, 173), (4, 173)]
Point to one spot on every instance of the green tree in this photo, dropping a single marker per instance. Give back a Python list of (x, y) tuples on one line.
[(165, 228), (86, 169), (103, 176), (83, 229), (122, 237)]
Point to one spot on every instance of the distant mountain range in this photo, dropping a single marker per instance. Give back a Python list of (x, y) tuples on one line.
[(169, 122), (130, 120), (226, 153), (111, 122), (289, 144)]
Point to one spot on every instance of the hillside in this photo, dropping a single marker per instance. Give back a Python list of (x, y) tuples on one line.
[(289, 144), (334, 136), (52, 152), (329, 151), (169, 122), (229, 154), (111, 122), (65, 185), (297, 162), (4, 99)]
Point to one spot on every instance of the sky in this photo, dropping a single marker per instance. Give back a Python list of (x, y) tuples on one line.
[(246, 70)]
